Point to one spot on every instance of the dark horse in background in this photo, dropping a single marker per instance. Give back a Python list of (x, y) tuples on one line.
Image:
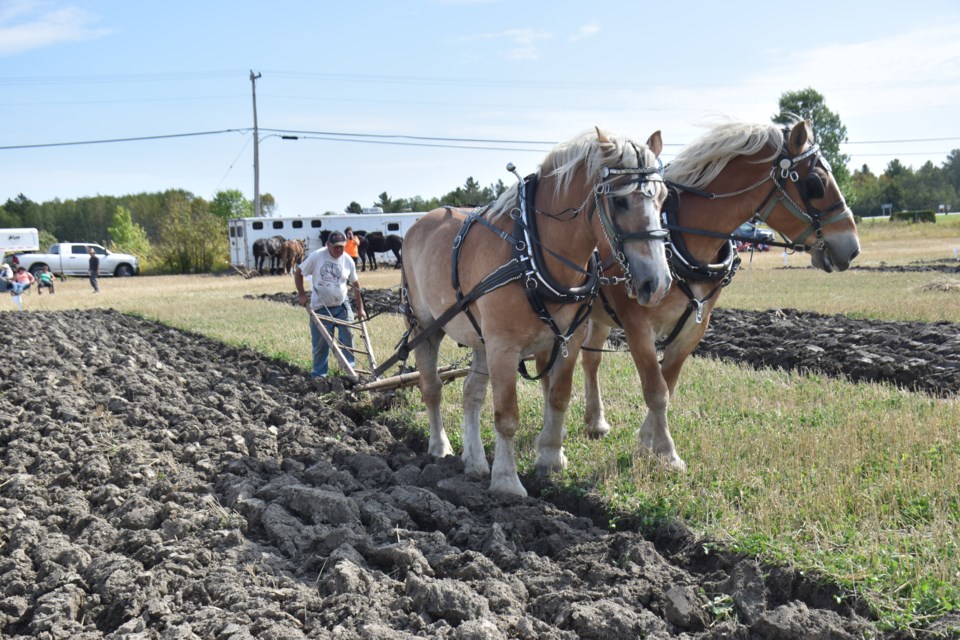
[(372, 243), (376, 242), (268, 248)]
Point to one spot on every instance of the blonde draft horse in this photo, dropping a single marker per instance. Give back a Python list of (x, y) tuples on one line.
[(582, 182), (732, 173)]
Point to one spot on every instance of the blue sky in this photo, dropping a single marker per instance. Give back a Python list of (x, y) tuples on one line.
[(530, 73)]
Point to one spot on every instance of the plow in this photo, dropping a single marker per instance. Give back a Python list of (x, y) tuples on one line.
[(368, 378)]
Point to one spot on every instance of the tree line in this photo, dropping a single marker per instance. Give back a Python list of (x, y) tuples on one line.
[(177, 232)]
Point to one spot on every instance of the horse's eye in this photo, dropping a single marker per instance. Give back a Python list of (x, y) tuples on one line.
[(620, 203)]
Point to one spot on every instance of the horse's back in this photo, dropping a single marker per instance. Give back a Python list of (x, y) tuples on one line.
[(429, 242)]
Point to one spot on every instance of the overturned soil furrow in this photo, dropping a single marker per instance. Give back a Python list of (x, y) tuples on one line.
[(158, 484)]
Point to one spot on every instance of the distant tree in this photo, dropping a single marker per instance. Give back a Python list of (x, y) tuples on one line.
[(8, 219), (268, 204), (866, 188), (46, 240), (384, 202), (129, 237), (231, 204), (353, 207), (417, 203), (830, 132), (895, 169), (192, 238), (951, 170), (21, 210), (471, 193)]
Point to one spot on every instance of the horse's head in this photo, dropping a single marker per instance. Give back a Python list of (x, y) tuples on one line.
[(628, 195), (822, 222)]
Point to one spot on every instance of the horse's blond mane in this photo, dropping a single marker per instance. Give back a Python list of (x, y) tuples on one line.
[(703, 159), (584, 151)]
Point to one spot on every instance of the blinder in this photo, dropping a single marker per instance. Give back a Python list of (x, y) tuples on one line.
[(812, 187)]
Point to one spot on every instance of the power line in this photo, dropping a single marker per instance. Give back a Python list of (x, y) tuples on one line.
[(112, 140), (414, 140)]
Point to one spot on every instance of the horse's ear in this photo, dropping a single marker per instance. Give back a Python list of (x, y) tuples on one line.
[(601, 137), (655, 142), (801, 134)]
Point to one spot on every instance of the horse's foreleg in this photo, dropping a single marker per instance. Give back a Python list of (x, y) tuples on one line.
[(654, 434), (593, 415), (502, 365), (474, 393), (556, 397), (431, 389)]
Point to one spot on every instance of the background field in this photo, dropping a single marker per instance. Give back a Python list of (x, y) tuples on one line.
[(854, 481)]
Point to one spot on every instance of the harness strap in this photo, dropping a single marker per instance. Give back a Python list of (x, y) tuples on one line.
[(497, 278)]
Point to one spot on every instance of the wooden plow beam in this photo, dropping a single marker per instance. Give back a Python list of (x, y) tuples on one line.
[(382, 384)]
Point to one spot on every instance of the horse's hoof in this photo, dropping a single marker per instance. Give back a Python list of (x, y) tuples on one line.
[(676, 465), (597, 431), (476, 469), (509, 487), (440, 451), (544, 470)]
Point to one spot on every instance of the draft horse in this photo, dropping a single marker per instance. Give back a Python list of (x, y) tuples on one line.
[(376, 242), (733, 173), (519, 278), (268, 248), (291, 254)]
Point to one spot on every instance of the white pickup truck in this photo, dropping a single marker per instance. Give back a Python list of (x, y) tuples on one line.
[(73, 259)]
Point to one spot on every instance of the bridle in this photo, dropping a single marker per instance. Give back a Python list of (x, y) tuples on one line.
[(644, 178), (810, 187)]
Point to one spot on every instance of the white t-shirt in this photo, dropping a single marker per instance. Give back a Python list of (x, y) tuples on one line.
[(328, 277)]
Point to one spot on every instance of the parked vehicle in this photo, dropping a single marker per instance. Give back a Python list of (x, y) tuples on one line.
[(759, 237), (73, 259), (244, 232), (13, 240)]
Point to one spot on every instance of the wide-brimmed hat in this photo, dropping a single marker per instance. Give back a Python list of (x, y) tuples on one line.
[(337, 239)]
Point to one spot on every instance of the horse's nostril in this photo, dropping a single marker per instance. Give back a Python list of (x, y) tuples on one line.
[(645, 290), (854, 254)]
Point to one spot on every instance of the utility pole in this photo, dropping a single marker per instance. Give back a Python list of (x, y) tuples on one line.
[(256, 148)]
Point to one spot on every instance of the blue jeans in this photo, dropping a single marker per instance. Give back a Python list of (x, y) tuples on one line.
[(321, 350)]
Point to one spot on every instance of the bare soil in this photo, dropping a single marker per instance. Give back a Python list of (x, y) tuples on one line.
[(158, 484)]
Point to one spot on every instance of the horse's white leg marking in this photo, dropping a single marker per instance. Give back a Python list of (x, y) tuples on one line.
[(593, 416), (502, 365), (556, 397), (654, 433), (431, 389), (474, 392)]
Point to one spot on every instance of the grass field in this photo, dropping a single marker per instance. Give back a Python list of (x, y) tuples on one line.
[(857, 482)]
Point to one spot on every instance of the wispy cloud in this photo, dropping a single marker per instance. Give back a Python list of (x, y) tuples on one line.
[(523, 44), (30, 24), (584, 32)]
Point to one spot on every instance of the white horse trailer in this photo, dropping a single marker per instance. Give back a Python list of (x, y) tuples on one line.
[(243, 232)]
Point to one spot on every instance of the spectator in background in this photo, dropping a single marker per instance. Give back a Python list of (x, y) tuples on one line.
[(22, 280), (352, 248), (6, 277), (94, 270), (45, 279)]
